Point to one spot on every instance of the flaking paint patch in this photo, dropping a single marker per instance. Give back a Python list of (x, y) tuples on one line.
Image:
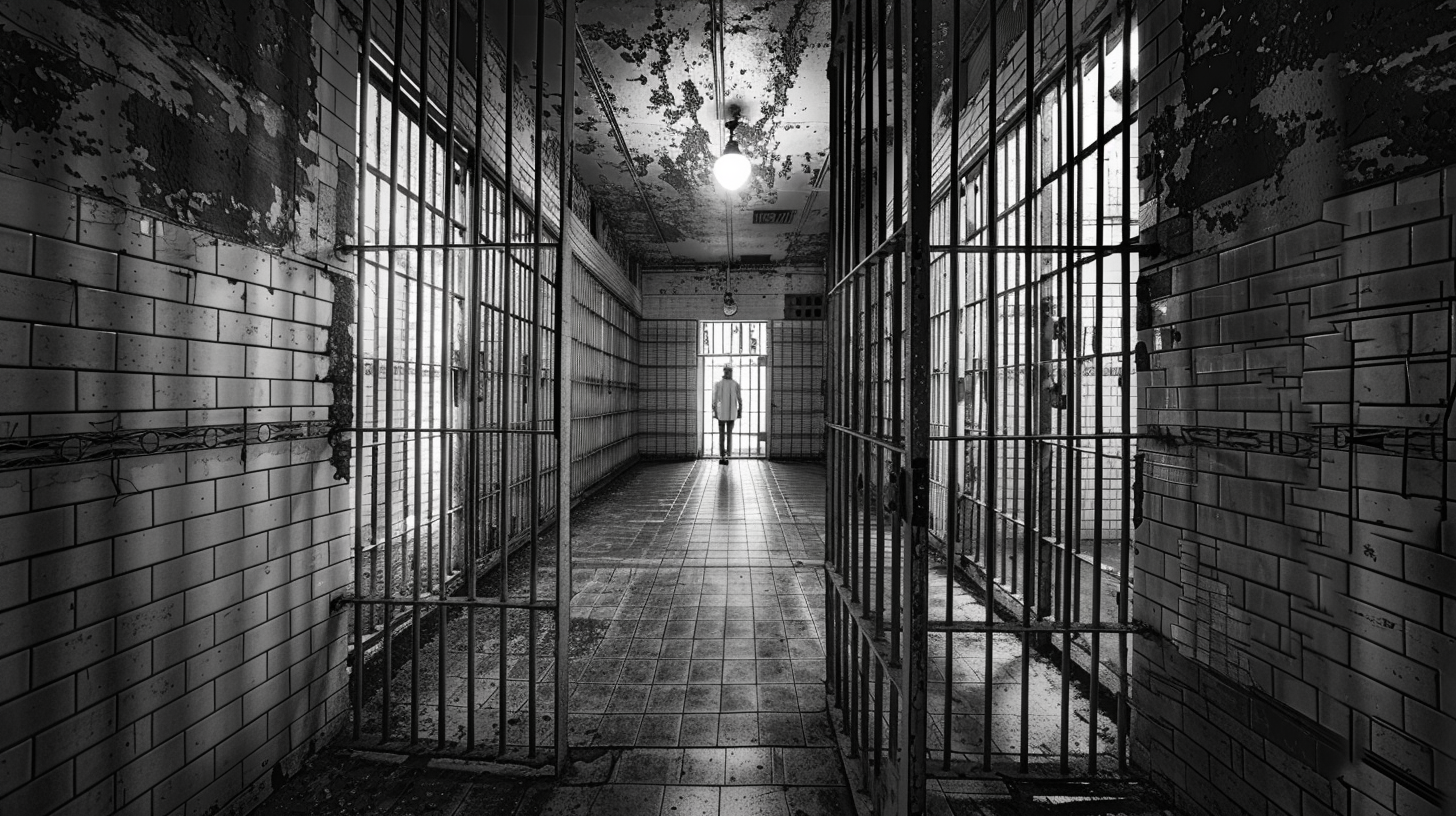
[(197, 112), (656, 59), (341, 350), (1287, 105)]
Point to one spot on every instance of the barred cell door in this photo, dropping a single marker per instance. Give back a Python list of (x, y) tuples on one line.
[(743, 347), (981, 437), (878, 416), (461, 418)]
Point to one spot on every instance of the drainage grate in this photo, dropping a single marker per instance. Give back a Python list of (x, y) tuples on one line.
[(773, 216)]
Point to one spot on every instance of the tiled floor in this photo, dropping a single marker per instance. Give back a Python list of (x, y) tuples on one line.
[(713, 612), (697, 669), (710, 667)]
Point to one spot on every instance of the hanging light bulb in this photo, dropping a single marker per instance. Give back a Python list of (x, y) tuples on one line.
[(732, 168)]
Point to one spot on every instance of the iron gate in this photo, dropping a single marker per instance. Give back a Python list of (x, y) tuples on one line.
[(462, 462), (981, 440), (879, 407), (744, 345)]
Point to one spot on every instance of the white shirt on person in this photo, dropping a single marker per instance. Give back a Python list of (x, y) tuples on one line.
[(727, 400)]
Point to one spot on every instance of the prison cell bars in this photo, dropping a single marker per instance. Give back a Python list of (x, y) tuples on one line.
[(367, 596), (878, 309), (1078, 253), (1050, 557)]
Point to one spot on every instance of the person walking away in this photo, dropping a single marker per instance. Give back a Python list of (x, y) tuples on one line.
[(727, 408)]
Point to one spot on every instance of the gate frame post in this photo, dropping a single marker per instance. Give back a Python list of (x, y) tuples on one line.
[(565, 280)]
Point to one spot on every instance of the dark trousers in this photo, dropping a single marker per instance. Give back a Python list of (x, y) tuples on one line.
[(725, 436)]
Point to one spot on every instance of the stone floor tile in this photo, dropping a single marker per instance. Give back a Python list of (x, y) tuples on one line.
[(698, 730), (590, 698), (778, 697), (628, 699), (705, 671), (570, 801), (704, 766), (780, 729), (740, 671), (738, 729), (752, 801), (666, 698), (627, 800), (808, 766), (671, 671), (827, 801), (648, 766), (749, 766), (703, 698), (739, 698), (689, 800), (618, 729), (659, 729)]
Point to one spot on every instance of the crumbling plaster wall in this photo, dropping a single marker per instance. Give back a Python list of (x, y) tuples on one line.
[(175, 358), (210, 114), (1253, 114), (1297, 559)]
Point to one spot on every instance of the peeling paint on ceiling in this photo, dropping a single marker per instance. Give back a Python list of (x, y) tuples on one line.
[(655, 59)]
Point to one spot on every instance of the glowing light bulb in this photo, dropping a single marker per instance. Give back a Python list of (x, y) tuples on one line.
[(732, 168)]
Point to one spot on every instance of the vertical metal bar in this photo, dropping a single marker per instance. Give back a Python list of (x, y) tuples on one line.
[(865, 650), (988, 306), (534, 384), (879, 87), (565, 267), (361, 271), (1095, 591), (878, 232), (446, 338), (508, 272), (835, 676), (896, 341), (857, 305), (1031, 381), (906, 109), (1129, 52), (474, 488), (952, 333), (394, 238), (856, 498), (856, 684), (835, 384), (916, 432), (1072, 421), (421, 171), (880, 714)]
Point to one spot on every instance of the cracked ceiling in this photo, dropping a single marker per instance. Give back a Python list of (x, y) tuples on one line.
[(655, 61)]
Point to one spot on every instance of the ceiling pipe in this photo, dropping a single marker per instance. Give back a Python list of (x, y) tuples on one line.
[(597, 83)]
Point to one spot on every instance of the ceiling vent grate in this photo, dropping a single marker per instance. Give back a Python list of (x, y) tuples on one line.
[(773, 216)]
